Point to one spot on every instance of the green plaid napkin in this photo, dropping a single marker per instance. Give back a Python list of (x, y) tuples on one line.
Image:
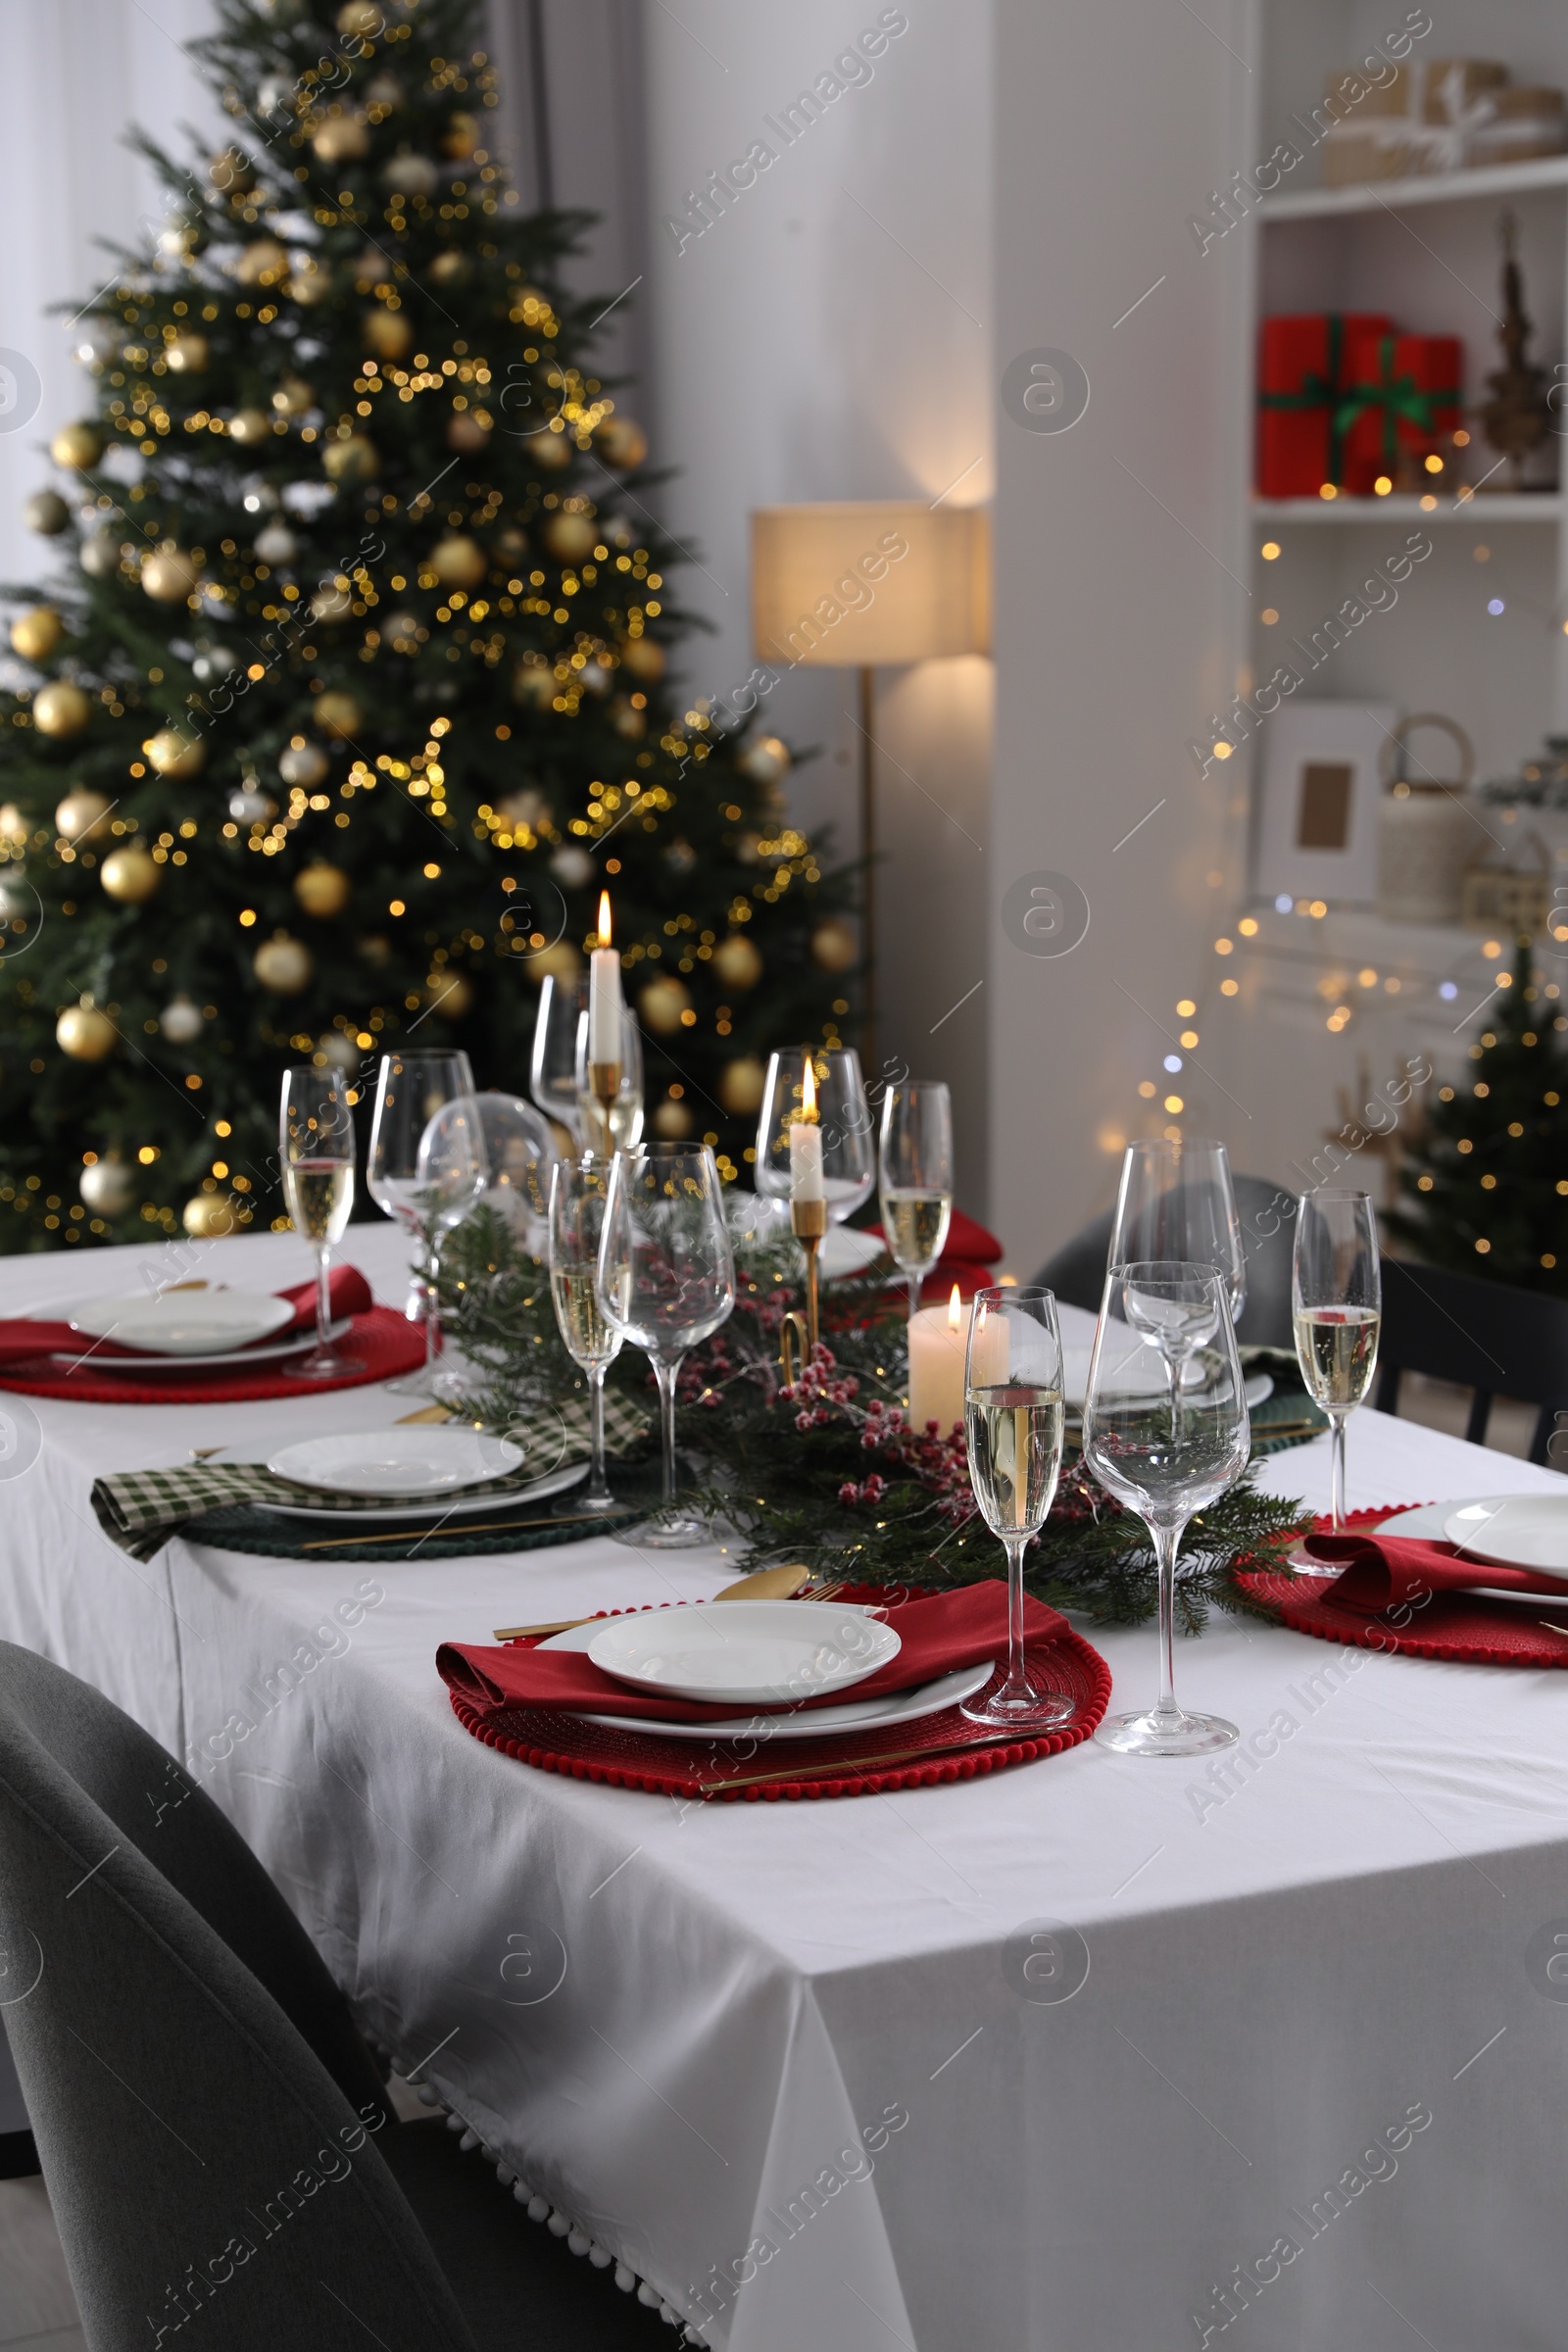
[(141, 1509)]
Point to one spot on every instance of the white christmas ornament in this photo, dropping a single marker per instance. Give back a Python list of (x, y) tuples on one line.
[(180, 1021), (276, 544), (571, 865), (304, 765), (250, 806), (109, 1185)]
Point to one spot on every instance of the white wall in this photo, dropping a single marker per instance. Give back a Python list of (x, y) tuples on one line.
[(829, 338)]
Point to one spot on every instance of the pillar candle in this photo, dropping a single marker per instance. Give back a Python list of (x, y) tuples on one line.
[(603, 994), (937, 1342), (805, 1141)]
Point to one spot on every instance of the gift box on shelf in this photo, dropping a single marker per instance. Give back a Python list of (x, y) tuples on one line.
[(1302, 380), (1527, 121), (1400, 397), (1426, 117)]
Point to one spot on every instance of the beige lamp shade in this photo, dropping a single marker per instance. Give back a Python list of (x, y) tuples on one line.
[(869, 582)]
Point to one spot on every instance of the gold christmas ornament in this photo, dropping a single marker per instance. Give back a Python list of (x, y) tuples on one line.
[(322, 890), (765, 760), (662, 1003), (180, 1021), (450, 994), (264, 263), (294, 397), (737, 962), (386, 333), (403, 631), (834, 944), (35, 634), (512, 544), (82, 816), (550, 449), (458, 561), (362, 20), (186, 355), (341, 139), (631, 725), (466, 433), (13, 826), (169, 575), (304, 765), (740, 1084), (351, 463), (448, 267), (533, 682), (642, 659), (46, 513), (338, 715), (309, 282), (173, 754), (209, 1216), (109, 1185), (76, 447), (331, 602), (284, 964), (129, 875), (461, 138), (571, 538), (672, 1121), (560, 961), (249, 428), (527, 808), (409, 176), (620, 442), (60, 709), (84, 1033), (231, 173)]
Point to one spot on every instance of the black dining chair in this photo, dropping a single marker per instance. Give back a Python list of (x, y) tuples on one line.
[(1267, 1213), (213, 2132), (1489, 1337)]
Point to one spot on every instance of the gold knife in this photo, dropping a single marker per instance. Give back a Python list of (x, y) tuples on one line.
[(897, 1755)]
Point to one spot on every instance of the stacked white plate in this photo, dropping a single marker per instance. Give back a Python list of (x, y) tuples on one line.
[(414, 1473), (173, 1331)]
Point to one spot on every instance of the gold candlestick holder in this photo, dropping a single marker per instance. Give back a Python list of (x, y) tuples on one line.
[(809, 1223), (604, 1086)]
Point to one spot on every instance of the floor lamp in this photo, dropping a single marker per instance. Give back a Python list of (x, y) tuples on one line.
[(860, 585)]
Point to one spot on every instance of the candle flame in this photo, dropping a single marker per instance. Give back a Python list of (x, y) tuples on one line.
[(954, 1309), (603, 918), (808, 1090)]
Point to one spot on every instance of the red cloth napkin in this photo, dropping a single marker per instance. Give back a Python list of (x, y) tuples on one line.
[(967, 1241), (1381, 1571), (937, 1636), (23, 1342)]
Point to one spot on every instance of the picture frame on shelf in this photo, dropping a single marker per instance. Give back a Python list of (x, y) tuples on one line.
[(1318, 826)]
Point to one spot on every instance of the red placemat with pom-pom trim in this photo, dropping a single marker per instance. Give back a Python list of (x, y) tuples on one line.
[(946, 1747), (385, 1341), (1465, 1626)]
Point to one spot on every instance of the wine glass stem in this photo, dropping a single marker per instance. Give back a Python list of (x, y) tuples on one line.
[(432, 1311), (1337, 1457), (916, 1280), (323, 1297), (598, 1485), (1167, 1539), (667, 1375), (1018, 1681)]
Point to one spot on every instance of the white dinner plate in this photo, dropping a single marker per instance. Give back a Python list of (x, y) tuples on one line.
[(814, 1723), (183, 1322), (270, 1351), (1513, 1531), (402, 1463), (1075, 1381), (451, 1506), (760, 1653), (844, 1250), (1424, 1522)]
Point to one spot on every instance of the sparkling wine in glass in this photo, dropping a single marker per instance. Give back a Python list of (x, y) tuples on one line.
[(1337, 1311), (1013, 1424), (410, 1087), (315, 1138), (665, 1282), (1166, 1450), (915, 1169), (842, 1113), (577, 1194)]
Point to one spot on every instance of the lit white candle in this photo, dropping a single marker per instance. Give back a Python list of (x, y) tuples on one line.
[(604, 993), (806, 1144), (937, 1340)]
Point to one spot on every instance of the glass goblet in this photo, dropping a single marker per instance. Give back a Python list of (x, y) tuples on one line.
[(519, 1145), (410, 1087), (915, 1169), (316, 1144), (578, 1189), (1165, 1456), (553, 1063), (843, 1114), (1177, 1200)]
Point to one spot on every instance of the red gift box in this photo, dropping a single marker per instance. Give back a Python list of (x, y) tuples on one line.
[(1301, 376), (1401, 392)]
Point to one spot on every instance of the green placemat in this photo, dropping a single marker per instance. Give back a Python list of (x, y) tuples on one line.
[(1291, 1413), (248, 1527)]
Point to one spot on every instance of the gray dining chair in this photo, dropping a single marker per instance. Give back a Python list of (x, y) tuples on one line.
[(213, 2134), (1267, 1212)]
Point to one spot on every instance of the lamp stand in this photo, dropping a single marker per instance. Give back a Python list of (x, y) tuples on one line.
[(869, 943)]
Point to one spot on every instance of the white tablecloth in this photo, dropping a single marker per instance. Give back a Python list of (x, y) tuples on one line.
[(1308, 2093)]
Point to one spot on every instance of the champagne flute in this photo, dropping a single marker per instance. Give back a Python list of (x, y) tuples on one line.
[(577, 1194), (1163, 1464), (914, 1167), (842, 1113), (1336, 1311), (410, 1087), (666, 1280), (316, 1144), (1177, 1200), (1013, 1422), (553, 1063), (626, 1110), (454, 1169)]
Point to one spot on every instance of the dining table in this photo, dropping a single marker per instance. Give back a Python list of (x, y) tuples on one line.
[(1266, 2048)]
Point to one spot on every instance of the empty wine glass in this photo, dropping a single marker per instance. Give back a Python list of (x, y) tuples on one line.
[(1337, 1313), (1177, 1200), (521, 1149), (626, 1110), (665, 1282), (915, 1169), (410, 1087), (553, 1063), (1161, 1461), (842, 1113), (578, 1189), (1013, 1422), (315, 1140), (453, 1171)]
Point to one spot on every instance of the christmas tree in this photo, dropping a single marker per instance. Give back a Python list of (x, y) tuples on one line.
[(1487, 1180), (357, 686)]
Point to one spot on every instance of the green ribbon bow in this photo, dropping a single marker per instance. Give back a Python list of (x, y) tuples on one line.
[(1399, 398)]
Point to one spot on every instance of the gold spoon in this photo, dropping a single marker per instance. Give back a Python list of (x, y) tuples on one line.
[(763, 1583)]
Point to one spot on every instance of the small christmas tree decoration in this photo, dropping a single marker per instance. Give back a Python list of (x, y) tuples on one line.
[(411, 176), (84, 1033), (322, 890), (534, 682), (561, 960), (294, 397), (249, 806), (169, 575), (447, 268), (209, 1216), (82, 816), (740, 1084), (549, 450), (275, 543), (672, 1121), (180, 1021), (661, 1002), (262, 262), (36, 634), (351, 462), (642, 659), (388, 334), (46, 513), (284, 964), (303, 763), (571, 865), (461, 138), (187, 353), (76, 447), (767, 761), (338, 715), (250, 428), (571, 538), (231, 172), (174, 753), (129, 875), (100, 554), (341, 139), (620, 443), (108, 1186), (468, 433), (360, 18), (736, 961), (450, 994), (458, 561), (1517, 418), (15, 829), (332, 603), (61, 709), (309, 283), (834, 946)]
